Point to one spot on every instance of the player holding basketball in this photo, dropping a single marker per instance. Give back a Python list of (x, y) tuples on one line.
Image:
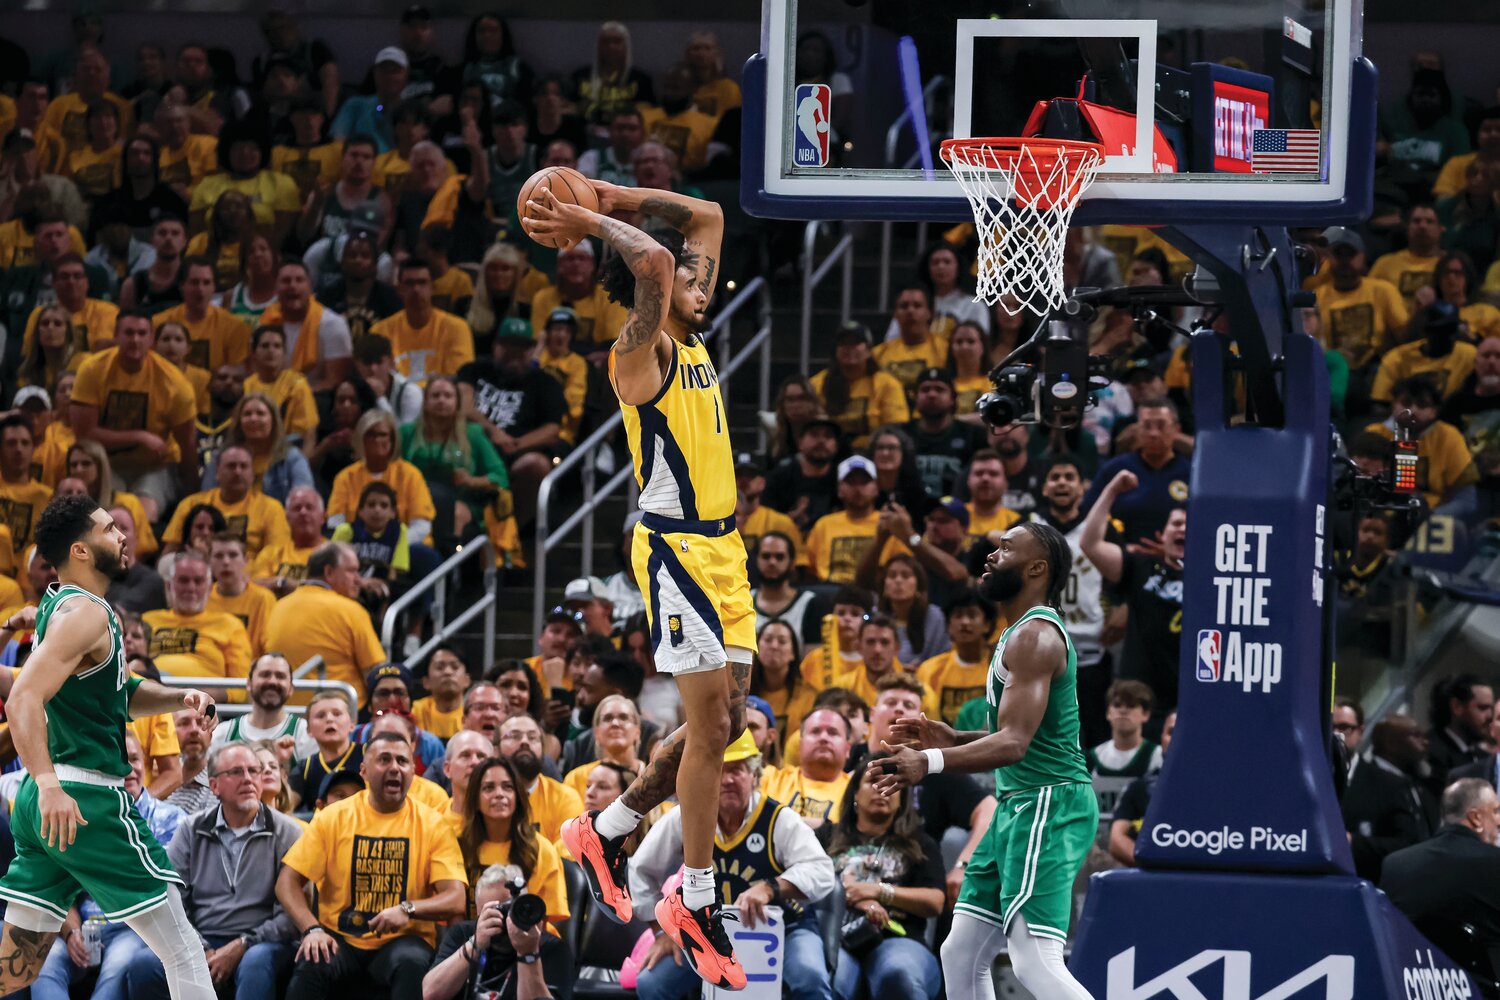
[(688, 557), (1019, 882), (74, 824)]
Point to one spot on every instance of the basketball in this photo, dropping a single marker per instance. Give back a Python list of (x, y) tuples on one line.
[(566, 184)]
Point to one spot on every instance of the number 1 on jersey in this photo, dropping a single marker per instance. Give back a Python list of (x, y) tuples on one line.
[(718, 429)]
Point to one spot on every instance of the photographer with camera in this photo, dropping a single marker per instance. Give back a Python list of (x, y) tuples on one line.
[(501, 952)]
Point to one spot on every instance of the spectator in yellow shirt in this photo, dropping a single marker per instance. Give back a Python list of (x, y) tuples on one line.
[(87, 462), (217, 336), (552, 803), (425, 340), (244, 156), (452, 288), (959, 675), (1450, 179), (1439, 356), (1411, 269), (713, 91), (441, 713), (93, 320), (375, 440), (65, 115), (677, 123), (323, 618), (185, 158), (235, 594), (855, 391), (879, 642), (1359, 317), (987, 485), (617, 738), (814, 787), (281, 567), (838, 540), (1456, 280), (249, 514), (755, 520), (188, 640), (21, 497), (599, 319), (916, 348), (558, 359), (95, 168), (285, 387), (387, 870), (1449, 465)]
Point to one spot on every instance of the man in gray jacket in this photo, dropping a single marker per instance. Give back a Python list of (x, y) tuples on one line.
[(229, 856)]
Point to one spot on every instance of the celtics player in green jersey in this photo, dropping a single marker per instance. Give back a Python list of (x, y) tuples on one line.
[(75, 827), (1018, 886)]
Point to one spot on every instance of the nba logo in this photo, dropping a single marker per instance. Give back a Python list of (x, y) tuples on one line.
[(811, 146), (1208, 654)]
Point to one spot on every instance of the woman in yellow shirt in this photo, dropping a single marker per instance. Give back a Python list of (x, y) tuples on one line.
[(855, 391), (713, 91), (88, 462), (53, 350), (95, 168), (968, 350), (375, 440), (286, 387), (774, 676), (498, 830), (229, 231), (1455, 279), (173, 343)]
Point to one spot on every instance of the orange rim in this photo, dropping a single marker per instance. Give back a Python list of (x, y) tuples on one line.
[(1026, 157)]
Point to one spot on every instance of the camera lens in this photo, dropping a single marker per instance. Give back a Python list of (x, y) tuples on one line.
[(528, 910)]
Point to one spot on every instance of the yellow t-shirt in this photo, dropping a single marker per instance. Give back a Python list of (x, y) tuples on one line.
[(861, 684), (18, 247), (188, 164), (443, 725), (1406, 271), (599, 320), (51, 455), (92, 325), (156, 398), (157, 735), (252, 607), (837, 542), (413, 500), (430, 794), (146, 543), (1482, 318), (452, 287), (219, 338), (802, 795), (293, 396), (969, 389), (269, 192), (441, 347), (1127, 241), (7, 115), (818, 673), (953, 682), (1447, 372), (364, 861), (686, 133), (546, 879), (1361, 323), (874, 401), (310, 169), (572, 372), (717, 96), (552, 804), (762, 521), (256, 519), (1450, 179), (905, 362), (578, 778), (12, 597), (284, 559), (94, 172), (316, 621), (790, 709), (208, 644), (20, 505), (980, 526), (1449, 464), (227, 264), (64, 118), (198, 378)]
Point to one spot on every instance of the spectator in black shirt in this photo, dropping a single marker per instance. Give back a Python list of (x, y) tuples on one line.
[(1023, 478), (1475, 407), (520, 407), (1462, 709), (1152, 589), (778, 598), (944, 445), (805, 485), (1386, 808), (159, 286), (141, 199), (313, 59), (356, 293)]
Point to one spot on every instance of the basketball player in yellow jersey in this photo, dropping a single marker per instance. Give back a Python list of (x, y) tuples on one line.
[(689, 559)]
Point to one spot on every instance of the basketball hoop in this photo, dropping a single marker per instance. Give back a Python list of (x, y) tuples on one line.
[(1023, 192)]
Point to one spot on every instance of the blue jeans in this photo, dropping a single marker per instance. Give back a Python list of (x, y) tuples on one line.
[(262, 971), (897, 969), (121, 945), (804, 976)]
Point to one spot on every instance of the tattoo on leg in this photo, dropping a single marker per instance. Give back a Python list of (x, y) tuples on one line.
[(659, 778), (21, 956), (739, 690)]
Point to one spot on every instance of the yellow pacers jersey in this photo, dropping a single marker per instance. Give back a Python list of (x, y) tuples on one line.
[(680, 441)]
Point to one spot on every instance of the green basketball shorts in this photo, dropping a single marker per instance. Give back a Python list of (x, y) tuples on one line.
[(1029, 857), (115, 858)]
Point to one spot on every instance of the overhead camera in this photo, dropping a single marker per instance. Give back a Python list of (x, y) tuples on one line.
[(1047, 380)]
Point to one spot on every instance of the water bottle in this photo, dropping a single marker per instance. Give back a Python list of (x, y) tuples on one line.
[(92, 932)]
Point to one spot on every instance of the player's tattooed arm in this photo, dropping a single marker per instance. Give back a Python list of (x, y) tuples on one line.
[(700, 221), (22, 953), (652, 265)]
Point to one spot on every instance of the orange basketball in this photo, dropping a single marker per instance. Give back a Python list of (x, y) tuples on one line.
[(566, 184)]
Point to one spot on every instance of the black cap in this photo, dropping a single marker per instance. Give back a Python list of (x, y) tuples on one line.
[(1136, 364), (1440, 315), (342, 776), (416, 12), (942, 375), (853, 331), (508, 112), (820, 421)]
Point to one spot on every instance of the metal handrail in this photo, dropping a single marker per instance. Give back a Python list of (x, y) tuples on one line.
[(229, 709), (842, 252), (547, 538), (442, 629)]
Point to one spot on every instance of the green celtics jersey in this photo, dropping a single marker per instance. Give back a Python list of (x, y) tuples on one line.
[(1054, 756), (87, 717)]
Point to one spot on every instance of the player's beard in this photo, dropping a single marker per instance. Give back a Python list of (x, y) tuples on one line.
[(1001, 585), (111, 564)]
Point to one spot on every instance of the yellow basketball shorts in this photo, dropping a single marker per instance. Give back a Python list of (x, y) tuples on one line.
[(697, 594)]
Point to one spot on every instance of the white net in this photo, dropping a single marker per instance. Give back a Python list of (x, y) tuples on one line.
[(1023, 192)]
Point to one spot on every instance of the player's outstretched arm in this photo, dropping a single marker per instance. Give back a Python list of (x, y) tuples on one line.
[(152, 698), (701, 222)]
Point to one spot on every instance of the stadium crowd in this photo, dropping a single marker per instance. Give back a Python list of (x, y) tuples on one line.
[(169, 233)]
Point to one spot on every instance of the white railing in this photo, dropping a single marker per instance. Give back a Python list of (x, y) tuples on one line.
[(443, 629), (548, 538), (228, 710), (812, 277)]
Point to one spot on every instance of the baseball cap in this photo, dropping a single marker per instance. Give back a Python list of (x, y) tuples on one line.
[(507, 112), (585, 588), (741, 749), (32, 393), (515, 328), (820, 421), (1342, 236), (853, 332), (563, 314), (762, 706), (392, 53), (856, 463), (343, 776), (582, 246), (1135, 365), (416, 12), (954, 508), (1435, 316), (942, 375), (380, 673)]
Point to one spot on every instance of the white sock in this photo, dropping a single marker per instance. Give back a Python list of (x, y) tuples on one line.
[(616, 820), (166, 931), (698, 887), (1038, 964)]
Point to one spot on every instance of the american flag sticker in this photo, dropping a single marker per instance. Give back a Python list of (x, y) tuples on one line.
[(1286, 150)]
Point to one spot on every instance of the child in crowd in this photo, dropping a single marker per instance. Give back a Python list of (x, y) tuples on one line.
[(1127, 755)]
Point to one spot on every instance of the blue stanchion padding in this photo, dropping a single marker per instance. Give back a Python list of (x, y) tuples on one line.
[(1252, 937)]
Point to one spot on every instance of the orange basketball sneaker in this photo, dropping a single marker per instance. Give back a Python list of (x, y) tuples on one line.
[(700, 935), (604, 865)]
